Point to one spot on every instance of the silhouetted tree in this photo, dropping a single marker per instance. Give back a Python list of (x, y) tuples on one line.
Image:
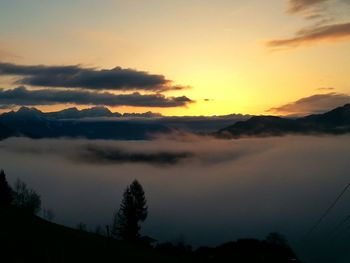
[(132, 211), (5, 191), (26, 199), (278, 248)]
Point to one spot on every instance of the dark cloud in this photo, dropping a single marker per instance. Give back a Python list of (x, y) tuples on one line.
[(333, 32), (109, 155), (318, 103), (24, 96), (89, 78), (296, 6), (99, 152)]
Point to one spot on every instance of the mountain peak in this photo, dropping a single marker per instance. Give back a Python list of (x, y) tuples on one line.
[(72, 109), (75, 113), (25, 109), (28, 111), (98, 109)]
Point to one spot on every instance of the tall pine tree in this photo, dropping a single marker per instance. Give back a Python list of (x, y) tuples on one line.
[(133, 210), (5, 191)]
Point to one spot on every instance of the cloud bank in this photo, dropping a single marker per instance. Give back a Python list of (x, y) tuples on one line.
[(24, 96), (164, 150), (226, 190), (88, 78), (102, 153)]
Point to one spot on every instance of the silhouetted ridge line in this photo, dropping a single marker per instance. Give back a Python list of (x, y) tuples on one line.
[(336, 121)]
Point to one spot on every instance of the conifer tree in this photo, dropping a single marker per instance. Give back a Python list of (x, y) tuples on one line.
[(133, 210)]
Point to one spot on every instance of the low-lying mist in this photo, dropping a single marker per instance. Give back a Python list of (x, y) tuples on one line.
[(204, 190)]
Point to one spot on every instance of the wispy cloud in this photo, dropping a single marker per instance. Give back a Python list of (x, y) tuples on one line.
[(333, 32), (327, 25), (318, 103), (5, 54), (325, 88), (24, 96), (75, 76), (297, 6)]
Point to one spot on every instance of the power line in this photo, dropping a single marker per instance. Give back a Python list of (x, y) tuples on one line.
[(338, 227), (328, 210)]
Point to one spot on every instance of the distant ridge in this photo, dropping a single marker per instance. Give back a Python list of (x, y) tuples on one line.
[(336, 121), (75, 113), (101, 123), (32, 123)]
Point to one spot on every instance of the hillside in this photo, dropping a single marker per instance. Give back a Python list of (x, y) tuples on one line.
[(336, 121), (28, 238)]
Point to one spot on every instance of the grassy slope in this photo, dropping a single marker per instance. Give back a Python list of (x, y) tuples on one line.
[(28, 238)]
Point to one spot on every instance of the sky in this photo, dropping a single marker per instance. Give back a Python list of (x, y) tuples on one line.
[(184, 57)]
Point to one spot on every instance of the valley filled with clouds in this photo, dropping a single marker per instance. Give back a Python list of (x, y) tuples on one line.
[(204, 190)]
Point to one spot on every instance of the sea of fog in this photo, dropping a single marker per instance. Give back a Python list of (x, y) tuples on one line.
[(199, 189)]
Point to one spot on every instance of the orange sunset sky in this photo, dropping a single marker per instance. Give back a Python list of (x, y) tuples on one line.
[(225, 56)]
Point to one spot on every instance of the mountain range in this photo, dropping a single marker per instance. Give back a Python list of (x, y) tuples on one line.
[(101, 123), (30, 122), (74, 113), (336, 121)]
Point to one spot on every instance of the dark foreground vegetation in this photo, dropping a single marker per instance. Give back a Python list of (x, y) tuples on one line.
[(25, 237)]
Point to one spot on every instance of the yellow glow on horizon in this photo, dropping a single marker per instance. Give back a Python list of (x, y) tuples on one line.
[(214, 47)]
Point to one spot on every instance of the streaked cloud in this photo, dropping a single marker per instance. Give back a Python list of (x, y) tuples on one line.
[(318, 103), (24, 96), (75, 76), (330, 23), (326, 88), (5, 54), (296, 6), (333, 32)]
